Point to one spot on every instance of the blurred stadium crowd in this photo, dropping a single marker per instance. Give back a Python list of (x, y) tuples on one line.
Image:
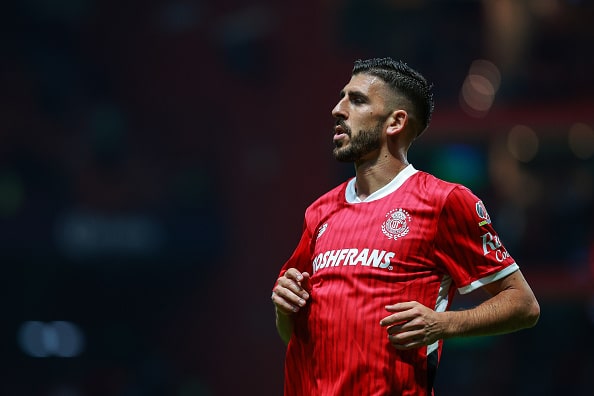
[(156, 158)]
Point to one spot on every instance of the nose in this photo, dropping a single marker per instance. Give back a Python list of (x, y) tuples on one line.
[(339, 109)]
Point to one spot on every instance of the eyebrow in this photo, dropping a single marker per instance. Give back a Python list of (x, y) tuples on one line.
[(354, 94)]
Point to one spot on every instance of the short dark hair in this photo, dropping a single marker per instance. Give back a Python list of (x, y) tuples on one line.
[(405, 81)]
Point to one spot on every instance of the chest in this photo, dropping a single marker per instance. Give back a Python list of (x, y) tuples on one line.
[(383, 235)]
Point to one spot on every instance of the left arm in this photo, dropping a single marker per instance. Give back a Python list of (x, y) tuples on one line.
[(512, 306)]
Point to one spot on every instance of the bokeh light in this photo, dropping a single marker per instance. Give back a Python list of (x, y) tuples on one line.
[(522, 143), (53, 339), (480, 87), (460, 163), (581, 140)]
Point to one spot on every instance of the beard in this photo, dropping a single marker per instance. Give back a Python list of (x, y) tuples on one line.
[(363, 143)]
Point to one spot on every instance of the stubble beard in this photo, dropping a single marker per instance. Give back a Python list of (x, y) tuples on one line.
[(363, 143)]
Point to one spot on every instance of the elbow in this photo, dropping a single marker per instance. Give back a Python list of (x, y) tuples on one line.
[(532, 313)]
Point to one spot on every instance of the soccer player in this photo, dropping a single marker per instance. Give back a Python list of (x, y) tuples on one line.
[(363, 301)]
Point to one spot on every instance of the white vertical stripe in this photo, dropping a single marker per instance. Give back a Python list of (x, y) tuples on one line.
[(441, 304)]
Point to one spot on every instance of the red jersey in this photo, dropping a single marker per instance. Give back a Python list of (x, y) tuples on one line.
[(418, 238)]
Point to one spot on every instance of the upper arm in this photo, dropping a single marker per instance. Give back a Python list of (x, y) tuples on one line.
[(514, 292), (515, 281)]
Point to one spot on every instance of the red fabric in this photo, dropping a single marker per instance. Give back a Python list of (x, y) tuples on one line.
[(367, 255)]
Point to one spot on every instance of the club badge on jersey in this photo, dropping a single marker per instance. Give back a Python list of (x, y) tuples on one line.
[(396, 224)]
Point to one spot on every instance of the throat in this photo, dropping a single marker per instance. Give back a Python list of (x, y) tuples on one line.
[(367, 184)]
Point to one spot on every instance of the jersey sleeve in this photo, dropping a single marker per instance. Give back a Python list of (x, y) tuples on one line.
[(467, 245), (301, 257)]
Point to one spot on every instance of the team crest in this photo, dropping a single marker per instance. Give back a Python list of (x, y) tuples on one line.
[(396, 224), (481, 211)]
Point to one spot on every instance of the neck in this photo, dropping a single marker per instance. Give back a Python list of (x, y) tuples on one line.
[(371, 176)]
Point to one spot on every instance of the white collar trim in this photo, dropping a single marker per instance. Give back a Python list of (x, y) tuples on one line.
[(351, 192)]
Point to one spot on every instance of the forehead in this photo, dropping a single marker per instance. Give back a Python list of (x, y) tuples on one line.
[(366, 84)]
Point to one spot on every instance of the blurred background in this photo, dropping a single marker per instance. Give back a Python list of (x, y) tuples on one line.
[(156, 158)]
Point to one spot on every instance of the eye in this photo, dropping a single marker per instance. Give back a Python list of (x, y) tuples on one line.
[(356, 99)]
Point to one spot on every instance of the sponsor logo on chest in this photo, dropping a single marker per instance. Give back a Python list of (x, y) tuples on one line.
[(395, 225), (350, 257)]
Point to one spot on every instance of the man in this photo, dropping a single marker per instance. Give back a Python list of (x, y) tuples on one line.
[(363, 301)]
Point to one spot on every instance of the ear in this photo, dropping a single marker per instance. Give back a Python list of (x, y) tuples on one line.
[(397, 121)]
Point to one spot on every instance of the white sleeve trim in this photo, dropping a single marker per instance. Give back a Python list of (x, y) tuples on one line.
[(488, 279)]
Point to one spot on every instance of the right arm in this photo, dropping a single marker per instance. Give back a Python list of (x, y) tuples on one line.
[(289, 295)]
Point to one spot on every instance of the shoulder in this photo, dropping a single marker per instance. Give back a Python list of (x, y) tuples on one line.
[(454, 199), (428, 179), (444, 195), (436, 187)]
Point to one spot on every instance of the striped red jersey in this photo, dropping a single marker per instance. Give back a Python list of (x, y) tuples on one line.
[(418, 238)]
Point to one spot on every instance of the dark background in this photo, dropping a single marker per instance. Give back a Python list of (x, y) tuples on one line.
[(156, 158)]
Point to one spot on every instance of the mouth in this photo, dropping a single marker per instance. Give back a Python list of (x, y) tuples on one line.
[(341, 132)]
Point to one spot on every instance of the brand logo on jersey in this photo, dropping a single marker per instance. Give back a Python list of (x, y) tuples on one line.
[(481, 211), (492, 243), (366, 257), (396, 224), (321, 230)]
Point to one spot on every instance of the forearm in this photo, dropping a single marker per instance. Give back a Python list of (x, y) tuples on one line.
[(508, 311), (284, 325)]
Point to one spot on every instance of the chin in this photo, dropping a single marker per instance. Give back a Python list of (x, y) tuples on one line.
[(343, 157)]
